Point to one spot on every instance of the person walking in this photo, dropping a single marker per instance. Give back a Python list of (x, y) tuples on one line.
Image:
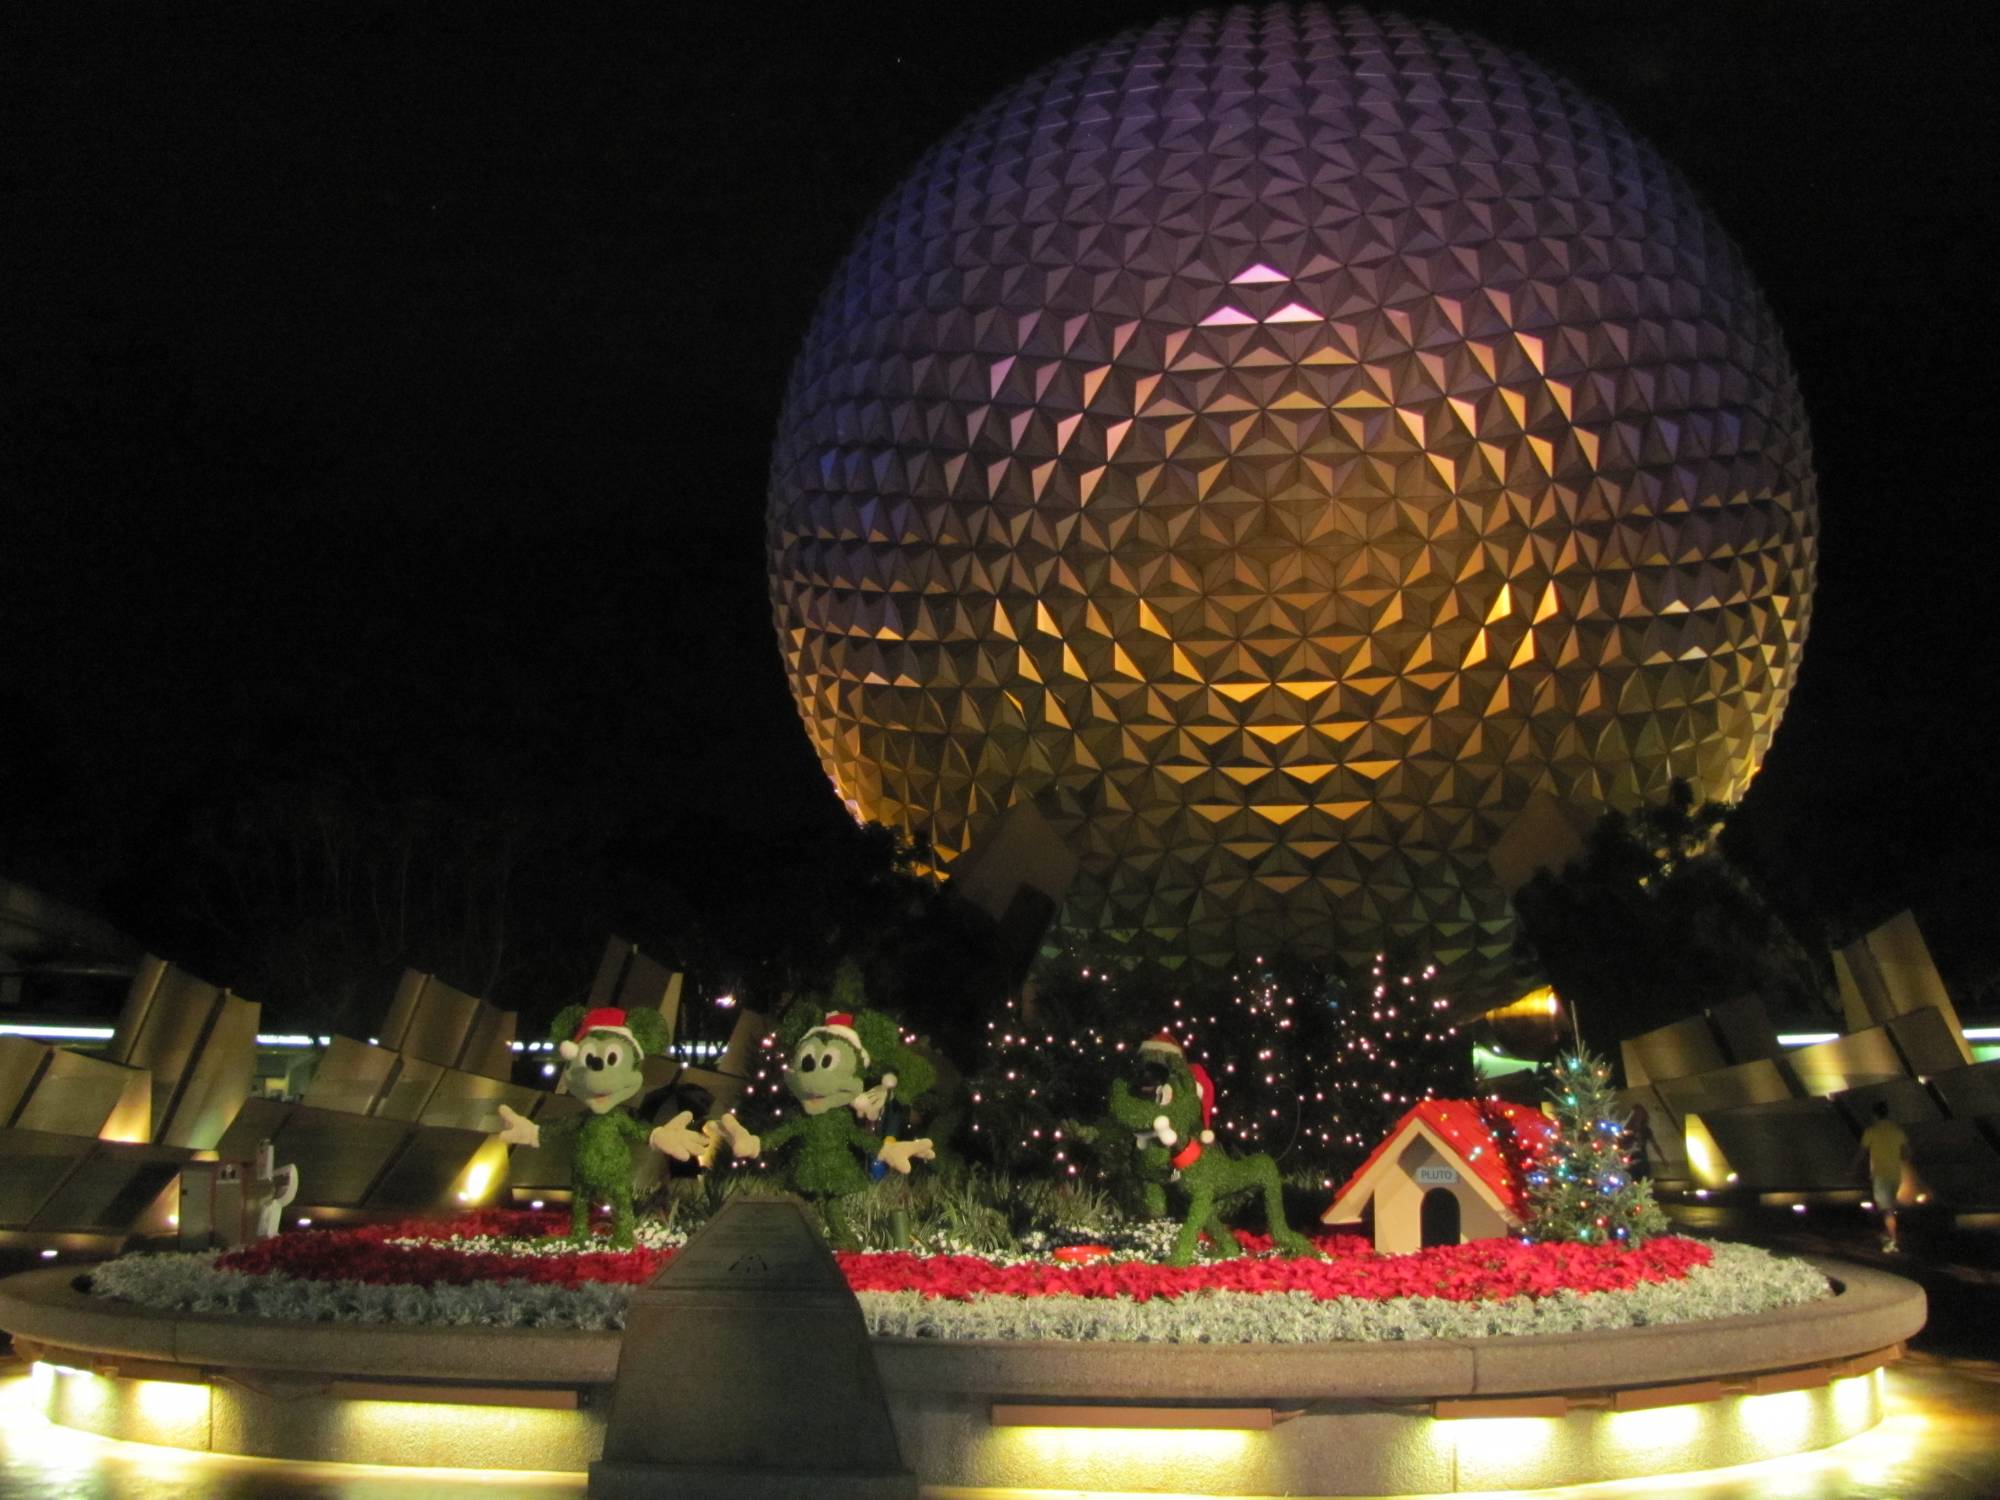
[(1885, 1147)]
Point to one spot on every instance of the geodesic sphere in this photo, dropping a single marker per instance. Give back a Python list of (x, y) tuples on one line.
[(1281, 444)]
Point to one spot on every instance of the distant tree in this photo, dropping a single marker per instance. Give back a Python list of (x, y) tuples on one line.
[(1310, 1067), (309, 890), (1654, 922), (1393, 1043)]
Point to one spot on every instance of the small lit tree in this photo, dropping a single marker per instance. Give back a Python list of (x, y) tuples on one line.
[(1045, 1070), (1393, 1044), (1582, 1188)]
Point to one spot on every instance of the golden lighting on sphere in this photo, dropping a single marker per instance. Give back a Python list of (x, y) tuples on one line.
[(1280, 444)]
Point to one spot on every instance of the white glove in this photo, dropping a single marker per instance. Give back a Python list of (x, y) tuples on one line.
[(742, 1143), (677, 1140), (516, 1130), (897, 1155)]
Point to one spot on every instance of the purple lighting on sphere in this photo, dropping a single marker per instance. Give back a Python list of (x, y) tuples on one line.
[(1287, 447)]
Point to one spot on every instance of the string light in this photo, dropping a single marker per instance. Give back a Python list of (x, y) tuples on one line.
[(1592, 1183), (1301, 1071)]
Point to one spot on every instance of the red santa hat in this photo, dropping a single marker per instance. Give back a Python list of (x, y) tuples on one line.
[(841, 1024), (1163, 1043), (604, 1018)]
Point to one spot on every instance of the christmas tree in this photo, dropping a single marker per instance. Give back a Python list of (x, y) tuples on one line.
[(1048, 1063), (1309, 1068), (1583, 1188), (1392, 1044)]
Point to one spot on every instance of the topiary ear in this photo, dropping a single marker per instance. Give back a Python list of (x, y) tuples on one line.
[(649, 1030), (799, 1018), (850, 991), (915, 1074), (882, 1037), (563, 1027)]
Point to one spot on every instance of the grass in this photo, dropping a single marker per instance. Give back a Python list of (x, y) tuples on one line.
[(949, 1206)]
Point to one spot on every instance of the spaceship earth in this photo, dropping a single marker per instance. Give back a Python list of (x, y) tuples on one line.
[(1281, 445)]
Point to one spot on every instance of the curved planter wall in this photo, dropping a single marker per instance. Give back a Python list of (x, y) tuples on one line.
[(1261, 1419)]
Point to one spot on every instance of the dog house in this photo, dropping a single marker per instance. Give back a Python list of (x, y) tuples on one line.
[(1451, 1170)]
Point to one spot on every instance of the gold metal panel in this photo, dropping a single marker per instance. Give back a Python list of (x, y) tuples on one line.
[(1745, 1030), (532, 1169), (420, 1177), (651, 985), (629, 980), (1847, 1062), (138, 1004), (351, 1076), (486, 1048), (80, 1095), (409, 1089), (610, 971), (402, 1007), (471, 1101), (1971, 1090), (1725, 1088), (1908, 1101), (1927, 1042), (20, 1060), (259, 1120), (1792, 1145), (439, 1019), (1904, 960), (339, 1156), (1956, 1162), (33, 1165), (1889, 973), (725, 1090), (167, 1015), (217, 1080), (1673, 1051), (110, 1189)]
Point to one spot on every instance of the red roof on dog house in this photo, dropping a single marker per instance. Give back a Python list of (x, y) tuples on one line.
[(1448, 1165)]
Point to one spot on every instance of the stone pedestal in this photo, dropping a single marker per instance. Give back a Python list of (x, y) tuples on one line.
[(746, 1371)]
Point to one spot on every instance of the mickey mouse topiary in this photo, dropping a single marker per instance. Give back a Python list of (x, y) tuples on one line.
[(605, 1050), (843, 1067)]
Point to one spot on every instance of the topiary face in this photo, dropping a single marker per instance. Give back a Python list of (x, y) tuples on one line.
[(1164, 1078), (605, 1071), (825, 1071)]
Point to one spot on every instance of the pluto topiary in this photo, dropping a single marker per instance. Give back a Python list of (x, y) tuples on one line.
[(1171, 1118)]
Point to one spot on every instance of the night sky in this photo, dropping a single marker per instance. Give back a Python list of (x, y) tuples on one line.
[(388, 395)]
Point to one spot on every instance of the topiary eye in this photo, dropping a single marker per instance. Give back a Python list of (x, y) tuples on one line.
[(808, 1063), (611, 1058), (826, 1059)]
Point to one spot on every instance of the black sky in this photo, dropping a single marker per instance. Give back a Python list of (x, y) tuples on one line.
[(390, 387)]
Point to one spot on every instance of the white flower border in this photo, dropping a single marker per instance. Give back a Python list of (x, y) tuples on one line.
[(1740, 1279)]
